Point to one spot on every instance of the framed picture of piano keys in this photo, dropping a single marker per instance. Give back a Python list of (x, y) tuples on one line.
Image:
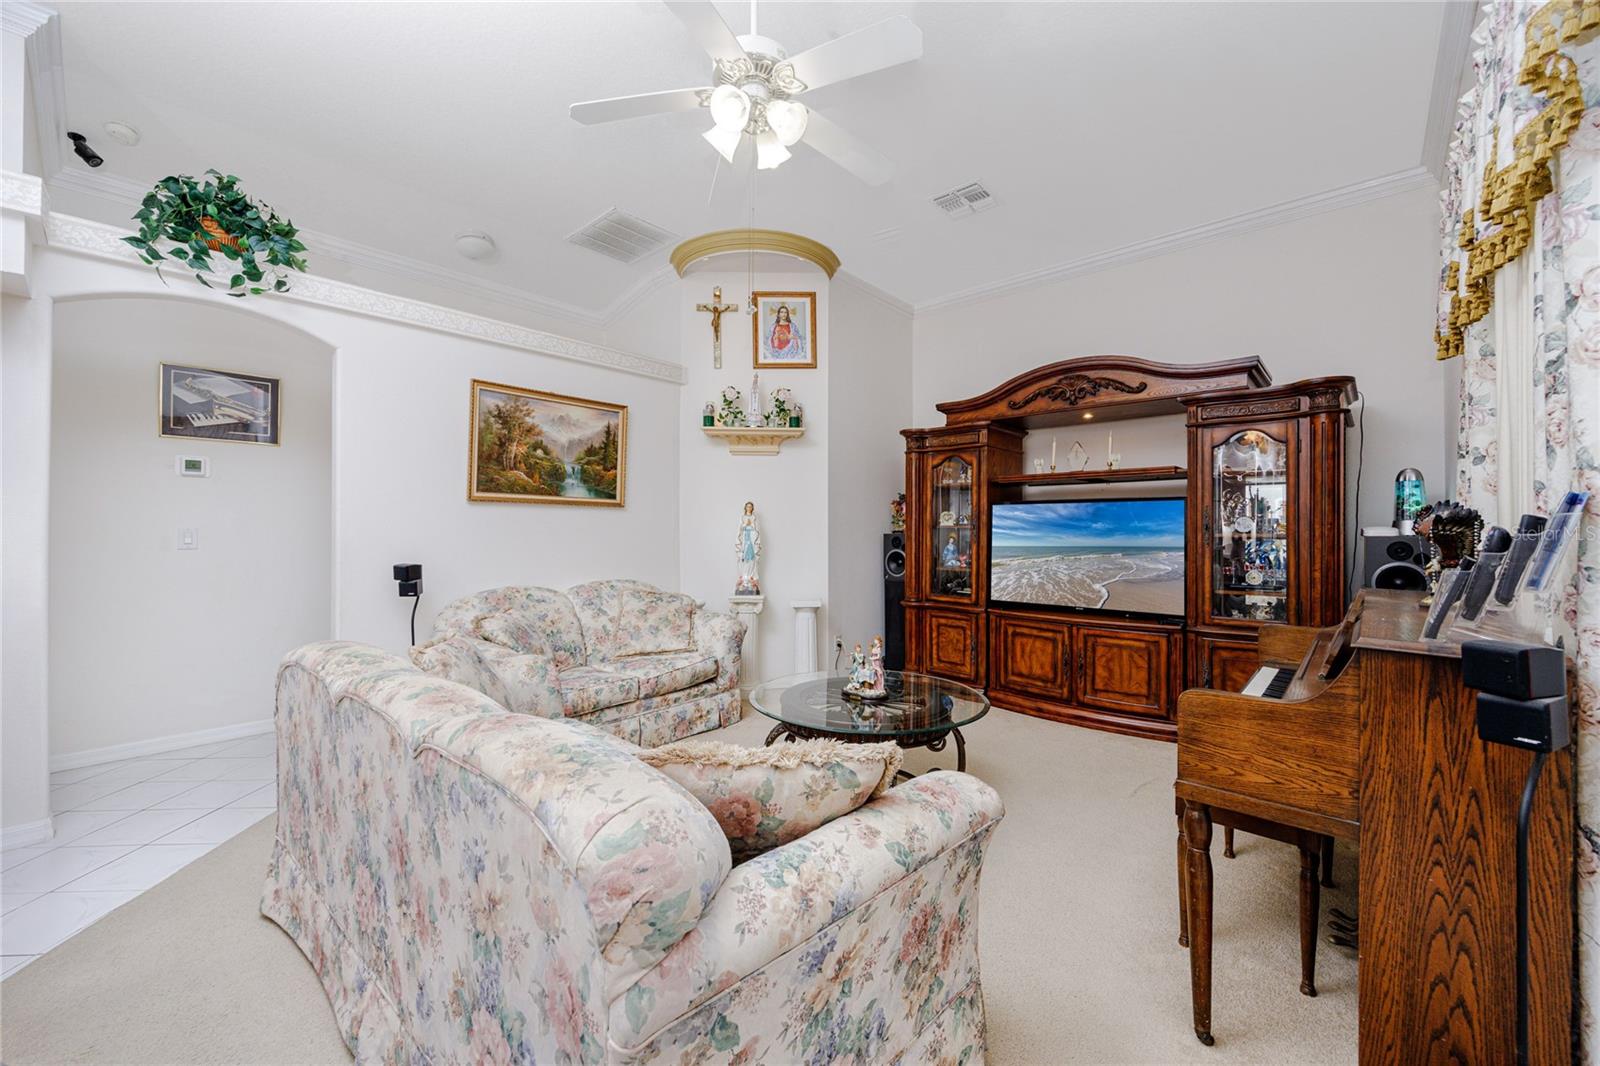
[(225, 405)]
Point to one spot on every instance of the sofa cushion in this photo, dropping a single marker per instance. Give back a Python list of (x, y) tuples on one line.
[(547, 612), (525, 684), (763, 797), (456, 658), (598, 608), (586, 689), (660, 674), (650, 621)]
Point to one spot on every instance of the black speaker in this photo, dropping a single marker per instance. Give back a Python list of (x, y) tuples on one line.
[(1392, 562), (894, 590)]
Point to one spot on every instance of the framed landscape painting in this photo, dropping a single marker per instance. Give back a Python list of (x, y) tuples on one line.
[(541, 447), (786, 330), (218, 405)]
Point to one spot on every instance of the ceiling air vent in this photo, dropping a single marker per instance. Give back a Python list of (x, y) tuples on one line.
[(966, 200), (620, 236)]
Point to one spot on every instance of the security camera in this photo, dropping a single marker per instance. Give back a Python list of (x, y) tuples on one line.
[(80, 146)]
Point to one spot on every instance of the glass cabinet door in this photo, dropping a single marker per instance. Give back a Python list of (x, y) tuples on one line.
[(1247, 527), (952, 528)]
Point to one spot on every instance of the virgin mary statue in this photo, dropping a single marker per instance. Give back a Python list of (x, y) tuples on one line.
[(748, 552)]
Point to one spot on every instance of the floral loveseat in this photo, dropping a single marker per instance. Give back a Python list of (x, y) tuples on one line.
[(590, 634), (476, 885)]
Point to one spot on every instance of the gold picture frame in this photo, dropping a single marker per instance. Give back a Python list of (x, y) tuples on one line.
[(797, 310), (513, 458)]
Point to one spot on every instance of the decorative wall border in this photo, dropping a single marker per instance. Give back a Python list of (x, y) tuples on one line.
[(98, 239)]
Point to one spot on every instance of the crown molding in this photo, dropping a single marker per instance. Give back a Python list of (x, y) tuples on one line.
[(1278, 214), (1455, 45), (721, 241), (128, 193), (22, 194), (41, 29), (872, 292), (103, 241)]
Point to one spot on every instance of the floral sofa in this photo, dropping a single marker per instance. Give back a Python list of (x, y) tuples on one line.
[(590, 631), (477, 885)]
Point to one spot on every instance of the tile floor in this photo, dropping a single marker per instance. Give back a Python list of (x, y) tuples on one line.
[(121, 828)]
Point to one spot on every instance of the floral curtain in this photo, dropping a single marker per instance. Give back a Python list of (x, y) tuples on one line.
[(1520, 302)]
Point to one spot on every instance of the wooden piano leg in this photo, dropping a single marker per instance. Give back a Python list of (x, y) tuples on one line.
[(1327, 863), (1310, 915), (1227, 842), (1197, 835), (1183, 888)]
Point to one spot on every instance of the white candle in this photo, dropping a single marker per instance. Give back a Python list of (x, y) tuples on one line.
[(1052, 453), (1109, 451)]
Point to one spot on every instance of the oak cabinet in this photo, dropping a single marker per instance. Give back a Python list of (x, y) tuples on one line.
[(952, 645), (1125, 670), (1029, 656), (1225, 665)]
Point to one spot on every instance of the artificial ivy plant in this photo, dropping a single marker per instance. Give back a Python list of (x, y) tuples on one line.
[(191, 221)]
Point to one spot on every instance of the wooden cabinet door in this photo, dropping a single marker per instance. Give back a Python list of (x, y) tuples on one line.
[(1124, 670), (1224, 665), (1028, 656), (952, 644)]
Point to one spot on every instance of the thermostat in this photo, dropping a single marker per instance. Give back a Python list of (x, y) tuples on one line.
[(194, 466)]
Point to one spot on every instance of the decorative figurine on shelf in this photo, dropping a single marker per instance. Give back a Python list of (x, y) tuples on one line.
[(947, 518), (897, 513), (866, 673), (952, 553), (709, 415), (779, 415), (753, 405), (747, 549), (1077, 458), (1038, 466), (731, 414), (796, 416)]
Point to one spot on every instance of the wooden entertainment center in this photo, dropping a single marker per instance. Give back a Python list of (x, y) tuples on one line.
[(1264, 539)]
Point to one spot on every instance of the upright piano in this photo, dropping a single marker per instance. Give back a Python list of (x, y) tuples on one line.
[(1364, 732)]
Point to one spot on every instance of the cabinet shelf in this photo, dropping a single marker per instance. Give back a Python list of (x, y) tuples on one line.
[(1096, 477), (754, 440)]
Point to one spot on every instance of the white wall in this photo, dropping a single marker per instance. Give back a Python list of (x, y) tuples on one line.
[(1347, 292), (147, 641), (24, 559), (869, 403), (790, 489)]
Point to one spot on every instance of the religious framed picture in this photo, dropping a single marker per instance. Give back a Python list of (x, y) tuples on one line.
[(541, 447), (218, 405), (785, 330)]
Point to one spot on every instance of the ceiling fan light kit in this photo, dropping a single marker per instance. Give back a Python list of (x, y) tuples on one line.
[(755, 81)]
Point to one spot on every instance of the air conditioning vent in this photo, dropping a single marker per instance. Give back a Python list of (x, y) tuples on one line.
[(620, 236), (966, 200)]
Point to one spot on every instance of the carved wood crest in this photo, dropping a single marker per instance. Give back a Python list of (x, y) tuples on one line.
[(1073, 389)]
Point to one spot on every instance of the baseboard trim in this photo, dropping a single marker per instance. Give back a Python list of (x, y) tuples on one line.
[(21, 836), (72, 760)]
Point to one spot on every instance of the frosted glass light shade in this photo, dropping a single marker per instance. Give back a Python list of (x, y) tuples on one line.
[(730, 107), (787, 119), (725, 139), (770, 152)]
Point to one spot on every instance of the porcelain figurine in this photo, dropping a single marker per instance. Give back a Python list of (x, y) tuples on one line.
[(866, 672), (748, 552), (875, 666), (897, 512), (952, 553), (858, 669), (753, 414)]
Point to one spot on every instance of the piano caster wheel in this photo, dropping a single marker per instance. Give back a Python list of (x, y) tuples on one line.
[(1205, 1038), (1308, 989)]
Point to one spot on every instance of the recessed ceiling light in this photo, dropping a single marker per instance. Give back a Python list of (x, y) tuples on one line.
[(475, 245), (122, 133)]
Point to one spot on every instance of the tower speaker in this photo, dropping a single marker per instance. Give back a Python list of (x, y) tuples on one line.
[(894, 590), (1390, 561)]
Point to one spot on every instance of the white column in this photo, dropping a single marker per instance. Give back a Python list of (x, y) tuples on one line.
[(805, 635), (747, 609)]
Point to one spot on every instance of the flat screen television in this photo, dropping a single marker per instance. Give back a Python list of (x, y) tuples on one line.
[(1122, 556)]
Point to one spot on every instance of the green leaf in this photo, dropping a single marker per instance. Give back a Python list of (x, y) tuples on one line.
[(236, 282)]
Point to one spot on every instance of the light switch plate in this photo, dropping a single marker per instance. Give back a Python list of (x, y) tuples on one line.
[(194, 466), (188, 540)]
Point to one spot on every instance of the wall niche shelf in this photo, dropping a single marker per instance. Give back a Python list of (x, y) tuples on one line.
[(1096, 477), (754, 440)]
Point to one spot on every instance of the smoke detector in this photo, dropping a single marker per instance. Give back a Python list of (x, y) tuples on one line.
[(122, 133), (475, 245), (965, 200)]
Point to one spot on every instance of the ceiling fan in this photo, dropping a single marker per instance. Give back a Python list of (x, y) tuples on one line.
[(755, 82)]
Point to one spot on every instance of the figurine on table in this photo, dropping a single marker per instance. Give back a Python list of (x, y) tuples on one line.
[(875, 665), (866, 673)]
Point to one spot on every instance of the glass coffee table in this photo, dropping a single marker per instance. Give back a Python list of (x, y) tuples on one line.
[(919, 712)]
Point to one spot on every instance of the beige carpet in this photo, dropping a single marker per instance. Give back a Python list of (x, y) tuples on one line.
[(1079, 922)]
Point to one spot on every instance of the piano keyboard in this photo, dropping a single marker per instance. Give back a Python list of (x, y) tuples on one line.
[(1269, 682)]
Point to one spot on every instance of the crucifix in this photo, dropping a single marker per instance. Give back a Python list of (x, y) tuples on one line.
[(716, 309)]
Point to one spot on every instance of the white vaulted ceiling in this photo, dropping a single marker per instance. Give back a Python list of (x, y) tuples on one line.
[(1095, 125)]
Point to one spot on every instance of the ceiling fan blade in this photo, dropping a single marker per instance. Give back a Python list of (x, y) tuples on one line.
[(700, 18), (827, 139), (591, 112), (883, 44)]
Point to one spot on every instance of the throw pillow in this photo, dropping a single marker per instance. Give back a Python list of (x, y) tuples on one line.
[(763, 797), (524, 684), (512, 629), (650, 621)]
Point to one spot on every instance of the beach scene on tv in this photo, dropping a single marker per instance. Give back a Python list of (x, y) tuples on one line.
[(1110, 555)]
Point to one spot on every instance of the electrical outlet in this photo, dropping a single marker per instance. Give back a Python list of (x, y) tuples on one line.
[(838, 642), (188, 540)]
